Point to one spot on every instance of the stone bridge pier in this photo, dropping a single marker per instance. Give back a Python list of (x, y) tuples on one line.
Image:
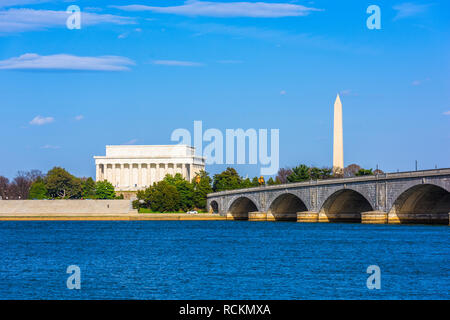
[(407, 197)]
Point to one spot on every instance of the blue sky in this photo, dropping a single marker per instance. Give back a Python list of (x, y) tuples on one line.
[(133, 74)]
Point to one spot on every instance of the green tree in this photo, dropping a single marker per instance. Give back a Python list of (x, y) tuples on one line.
[(326, 173), (201, 188), (104, 190), (88, 188), (364, 172), (299, 174), (164, 197), (246, 183), (271, 182), (145, 196), (185, 190), (38, 190), (61, 184), (255, 182), (315, 173), (227, 180)]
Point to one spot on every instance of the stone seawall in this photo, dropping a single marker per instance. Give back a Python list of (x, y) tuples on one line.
[(63, 207)]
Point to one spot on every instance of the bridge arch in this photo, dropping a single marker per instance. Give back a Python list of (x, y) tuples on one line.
[(240, 207), (214, 207), (285, 207), (424, 203), (345, 205)]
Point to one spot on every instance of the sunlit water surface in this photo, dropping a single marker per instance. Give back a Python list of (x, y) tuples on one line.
[(222, 260)]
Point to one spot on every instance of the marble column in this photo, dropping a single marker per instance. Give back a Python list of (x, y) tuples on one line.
[(130, 172), (122, 168), (161, 171), (97, 172), (139, 170), (183, 170), (113, 172)]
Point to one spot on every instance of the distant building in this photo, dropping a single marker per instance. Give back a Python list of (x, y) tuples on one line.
[(131, 168)]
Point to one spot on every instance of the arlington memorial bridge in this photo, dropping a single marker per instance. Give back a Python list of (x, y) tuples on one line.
[(405, 197)]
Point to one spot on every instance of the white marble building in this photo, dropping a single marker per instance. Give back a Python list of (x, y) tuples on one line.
[(133, 168)]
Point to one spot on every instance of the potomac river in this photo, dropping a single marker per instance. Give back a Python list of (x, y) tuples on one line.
[(222, 260)]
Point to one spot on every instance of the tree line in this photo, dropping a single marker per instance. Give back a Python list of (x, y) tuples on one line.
[(56, 184), (230, 179), (172, 194)]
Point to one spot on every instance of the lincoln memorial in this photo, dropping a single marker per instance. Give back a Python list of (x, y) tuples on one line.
[(131, 168)]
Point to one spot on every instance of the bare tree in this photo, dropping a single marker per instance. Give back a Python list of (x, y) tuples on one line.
[(283, 173), (351, 170), (4, 187), (19, 188), (378, 171), (34, 174)]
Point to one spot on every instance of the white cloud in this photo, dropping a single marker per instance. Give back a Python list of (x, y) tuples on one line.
[(446, 113), (228, 9), (39, 120), (32, 61), (177, 63), (79, 118), (22, 19), (408, 9)]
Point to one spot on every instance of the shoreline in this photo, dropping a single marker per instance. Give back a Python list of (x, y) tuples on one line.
[(113, 217)]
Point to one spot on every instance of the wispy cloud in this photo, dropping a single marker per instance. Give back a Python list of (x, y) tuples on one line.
[(32, 61), (274, 35), (14, 3), (132, 141), (409, 9), (126, 34), (348, 93), (446, 113), (228, 9), (177, 63), (22, 19), (49, 146), (419, 82), (79, 118), (40, 120)]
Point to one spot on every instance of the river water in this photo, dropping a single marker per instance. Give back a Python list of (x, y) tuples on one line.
[(222, 260)]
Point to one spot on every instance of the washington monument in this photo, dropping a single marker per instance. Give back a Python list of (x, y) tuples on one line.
[(338, 142)]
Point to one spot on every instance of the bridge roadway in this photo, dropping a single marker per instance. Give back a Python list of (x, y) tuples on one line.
[(405, 197)]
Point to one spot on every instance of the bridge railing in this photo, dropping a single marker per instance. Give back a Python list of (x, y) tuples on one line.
[(384, 176)]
